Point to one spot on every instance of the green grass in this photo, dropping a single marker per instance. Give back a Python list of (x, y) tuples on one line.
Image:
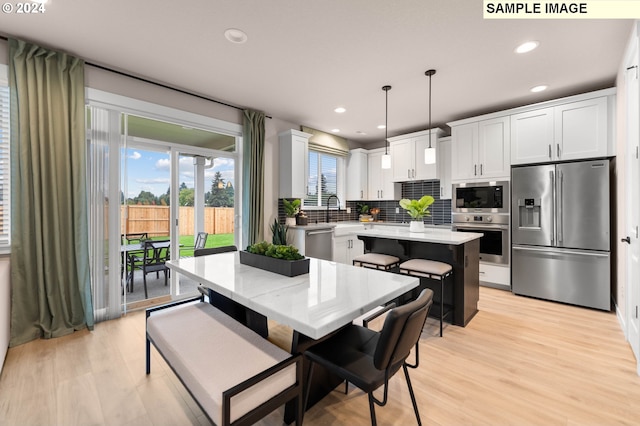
[(213, 240)]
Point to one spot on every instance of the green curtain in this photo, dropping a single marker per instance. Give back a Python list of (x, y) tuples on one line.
[(253, 177), (50, 281)]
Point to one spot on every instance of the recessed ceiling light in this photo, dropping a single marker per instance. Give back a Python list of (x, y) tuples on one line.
[(335, 130), (382, 126), (235, 35), (340, 110), (360, 132), (539, 88), (527, 46)]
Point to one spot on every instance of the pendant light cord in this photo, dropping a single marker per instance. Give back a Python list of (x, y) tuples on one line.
[(386, 117), (429, 73)]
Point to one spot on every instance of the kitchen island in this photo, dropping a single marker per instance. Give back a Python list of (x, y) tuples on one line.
[(459, 249)]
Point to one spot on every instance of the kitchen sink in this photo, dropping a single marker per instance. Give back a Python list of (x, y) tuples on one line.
[(347, 228)]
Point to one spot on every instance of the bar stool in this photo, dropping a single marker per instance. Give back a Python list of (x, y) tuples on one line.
[(383, 262), (431, 269)]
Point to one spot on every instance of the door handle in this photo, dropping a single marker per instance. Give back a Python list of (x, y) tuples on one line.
[(549, 151), (475, 169), (480, 169), (558, 149), (626, 240)]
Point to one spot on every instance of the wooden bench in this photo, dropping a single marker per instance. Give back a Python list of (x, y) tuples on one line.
[(235, 376)]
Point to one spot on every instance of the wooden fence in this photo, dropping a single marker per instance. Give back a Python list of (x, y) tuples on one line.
[(154, 220)]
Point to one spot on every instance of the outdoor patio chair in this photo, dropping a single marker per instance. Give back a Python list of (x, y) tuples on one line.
[(155, 255), (137, 237), (201, 240)]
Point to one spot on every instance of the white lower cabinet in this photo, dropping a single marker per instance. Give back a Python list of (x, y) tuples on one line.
[(497, 276), (346, 247)]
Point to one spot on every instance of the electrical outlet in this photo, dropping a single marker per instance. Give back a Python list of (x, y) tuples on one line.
[(348, 210), (397, 210)]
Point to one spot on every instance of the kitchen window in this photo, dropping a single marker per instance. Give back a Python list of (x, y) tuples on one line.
[(325, 178)]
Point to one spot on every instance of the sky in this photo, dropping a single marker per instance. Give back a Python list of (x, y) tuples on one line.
[(150, 171)]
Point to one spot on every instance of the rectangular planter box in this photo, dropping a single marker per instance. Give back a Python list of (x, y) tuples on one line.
[(290, 268)]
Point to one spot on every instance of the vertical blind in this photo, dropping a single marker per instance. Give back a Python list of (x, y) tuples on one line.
[(5, 166), (323, 178)]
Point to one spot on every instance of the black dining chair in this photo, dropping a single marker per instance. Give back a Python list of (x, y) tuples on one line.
[(138, 237), (367, 358), (154, 257)]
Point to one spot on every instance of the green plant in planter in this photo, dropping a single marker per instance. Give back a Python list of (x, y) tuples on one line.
[(277, 251), (291, 208), (279, 232), (417, 209)]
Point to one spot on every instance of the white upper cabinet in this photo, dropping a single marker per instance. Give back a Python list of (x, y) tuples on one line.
[(357, 175), (532, 136), (444, 167), (568, 131), (480, 150), (581, 129), (381, 185), (294, 159), (407, 156)]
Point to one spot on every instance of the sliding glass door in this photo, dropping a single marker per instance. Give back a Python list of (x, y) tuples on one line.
[(157, 181)]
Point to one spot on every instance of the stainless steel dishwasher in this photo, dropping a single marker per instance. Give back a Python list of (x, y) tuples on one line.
[(318, 243)]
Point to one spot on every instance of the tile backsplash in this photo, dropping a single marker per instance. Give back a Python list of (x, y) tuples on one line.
[(440, 209)]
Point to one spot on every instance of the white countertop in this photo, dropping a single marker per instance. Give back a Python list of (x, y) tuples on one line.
[(430, 235), (330, 296)]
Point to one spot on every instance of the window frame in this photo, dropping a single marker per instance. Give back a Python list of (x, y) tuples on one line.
[(340, 179)]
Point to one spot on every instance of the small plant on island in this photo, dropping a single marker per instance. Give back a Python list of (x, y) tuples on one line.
[(277, 251), (417, 209)]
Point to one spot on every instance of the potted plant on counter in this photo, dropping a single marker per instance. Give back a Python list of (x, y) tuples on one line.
[(291, 209), (417, 209)]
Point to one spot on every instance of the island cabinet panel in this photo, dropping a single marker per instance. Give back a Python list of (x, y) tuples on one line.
[(462, 290)]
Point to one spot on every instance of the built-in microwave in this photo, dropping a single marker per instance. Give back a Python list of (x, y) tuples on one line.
[(482, 197)]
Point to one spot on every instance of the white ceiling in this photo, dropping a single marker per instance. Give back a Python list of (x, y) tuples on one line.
[(304, 58)]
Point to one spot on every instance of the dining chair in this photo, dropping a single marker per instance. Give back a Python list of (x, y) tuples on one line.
[(125, 239), (154, 257), (368, 359), (201, 240), (138, 237)]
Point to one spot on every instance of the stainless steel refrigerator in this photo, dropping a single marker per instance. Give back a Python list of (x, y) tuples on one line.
[(560, 232)]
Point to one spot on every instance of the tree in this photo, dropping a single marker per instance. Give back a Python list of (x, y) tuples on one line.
[(165, 199), (186, 196), (219, 195)]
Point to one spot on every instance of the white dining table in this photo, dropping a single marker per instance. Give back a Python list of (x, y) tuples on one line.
[(329, 297)]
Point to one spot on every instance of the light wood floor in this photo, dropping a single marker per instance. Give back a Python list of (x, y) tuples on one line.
[(520, 361)]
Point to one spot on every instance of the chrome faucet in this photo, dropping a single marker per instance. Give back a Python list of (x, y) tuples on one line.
[(328, 199)]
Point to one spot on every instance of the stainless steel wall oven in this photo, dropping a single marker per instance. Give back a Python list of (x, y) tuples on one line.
[(495, 243)]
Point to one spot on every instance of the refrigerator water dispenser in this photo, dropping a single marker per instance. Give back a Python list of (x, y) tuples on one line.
[(529, 213)]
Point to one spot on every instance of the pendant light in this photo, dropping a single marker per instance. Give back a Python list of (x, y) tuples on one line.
[(430, 153), (386, 158)]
